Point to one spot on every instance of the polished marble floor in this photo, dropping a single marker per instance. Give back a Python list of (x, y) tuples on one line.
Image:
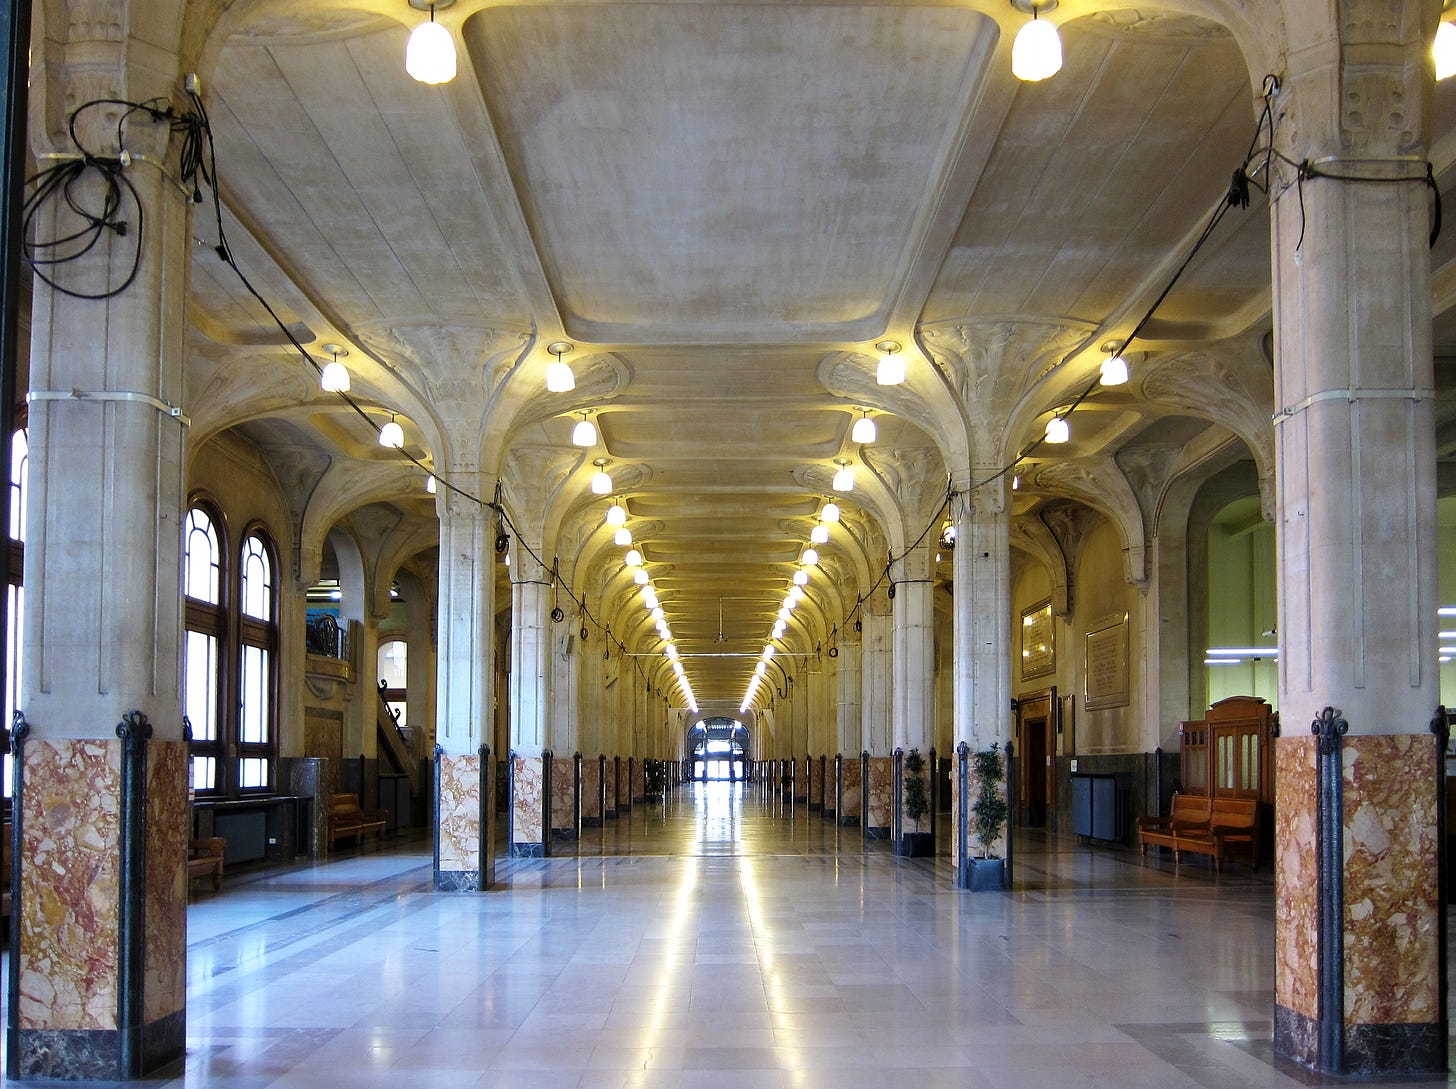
[(737, 946)]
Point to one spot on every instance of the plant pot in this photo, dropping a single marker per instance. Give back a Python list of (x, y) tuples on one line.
[(985, 875), (915, 845)]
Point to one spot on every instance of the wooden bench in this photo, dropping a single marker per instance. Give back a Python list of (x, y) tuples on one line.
[(348, 821), (1189, 812), (204, 858), (1205, 826)]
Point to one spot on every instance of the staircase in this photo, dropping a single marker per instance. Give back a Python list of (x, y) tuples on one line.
[(394, 748)]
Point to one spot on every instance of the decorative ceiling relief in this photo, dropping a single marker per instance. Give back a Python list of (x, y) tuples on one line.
[(1236, 391)]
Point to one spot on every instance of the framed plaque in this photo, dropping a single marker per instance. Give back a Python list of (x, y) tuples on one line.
[(1038, 641), (1106, 667)]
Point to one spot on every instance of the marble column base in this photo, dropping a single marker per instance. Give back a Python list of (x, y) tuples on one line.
[(464, 816), (528, 808)]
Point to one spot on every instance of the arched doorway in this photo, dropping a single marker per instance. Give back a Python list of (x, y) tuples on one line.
[(718, 750)]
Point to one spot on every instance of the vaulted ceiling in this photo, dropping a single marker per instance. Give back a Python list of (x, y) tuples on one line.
[(721, 208)]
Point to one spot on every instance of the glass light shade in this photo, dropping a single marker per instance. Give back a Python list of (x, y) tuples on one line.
[(1057, 430), (864, 430), (658, 614), (760, 668), (784, 614), (633, 558), (1114, 371), (335, 378), (830, 513), (793, 596), (430, 485), (616, 515), (809, 558), (429, 56), (601, 483), (559, 378), (584, 433), (891, 371), (671, 652), (649, 597), (622, 537), (800, 577), (768, 651), (391, 435), (677, 667), (640, 576), (844, 480), (1016, 483), (819, 534), (1037, 51), (778, 628), (1444, 50)]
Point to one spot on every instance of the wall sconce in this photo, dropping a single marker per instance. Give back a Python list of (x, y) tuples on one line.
[(559, 377), (1037, 51), (429, 55)]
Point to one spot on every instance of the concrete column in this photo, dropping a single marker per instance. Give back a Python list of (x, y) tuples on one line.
[(99, 923), (1358, 927), (591, 679), (562, 726), (530, 695), (913, 703), (465, 689), (849, 684), (982, 634)]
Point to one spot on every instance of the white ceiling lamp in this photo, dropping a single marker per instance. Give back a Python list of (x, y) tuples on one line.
[(785, 613), (623, 537), (768, 651), (640, 576), (830, 513), (430, 485), (649, 598), (658, 615), (391, 435), (585, 432), (1037, 51), (601, 481), (1444, 50), (760, 667), (616, 515), (429, 56), (633, 558), (1114, 367), (334, 378), (864, 430), (844, 479), (810, 557), (819, 534), (671, 652), (794, 595), (677, 667), (559, 377), (801, 577), (891, 371), (1057, 430)]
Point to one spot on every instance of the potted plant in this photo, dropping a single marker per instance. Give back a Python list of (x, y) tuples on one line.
[(987, 873), (916, 804), (655, 778)]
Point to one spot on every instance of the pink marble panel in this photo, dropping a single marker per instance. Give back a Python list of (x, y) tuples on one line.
[(639, 779), (611, 785), (526, 800), (881, 791), (1296, 881), (816, 782), (1391, 859), (169, 821), (563, 793), (591, 801), (459, 815), (69, 891), (849, 787), (801, 777)]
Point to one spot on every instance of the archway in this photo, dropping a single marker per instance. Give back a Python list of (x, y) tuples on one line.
[(718, 749)]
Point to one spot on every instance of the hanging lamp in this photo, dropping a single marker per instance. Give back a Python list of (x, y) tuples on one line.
[(391, 435), (334, 378), (616, 515), (601, 481), (864, 430), (1114, 367), (1037, 51), (830, 513), (585, 432), (559, 376), (429, 55), (819, 534), (430, 485), (1443, 51), (622, 537), (891, 371), (1057, 430), (844, 479)]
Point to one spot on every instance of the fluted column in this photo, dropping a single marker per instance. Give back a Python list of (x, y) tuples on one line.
[(530, 670), (914, 669)]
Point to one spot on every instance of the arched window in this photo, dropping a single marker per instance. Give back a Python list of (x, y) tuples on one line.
[(229, 656)]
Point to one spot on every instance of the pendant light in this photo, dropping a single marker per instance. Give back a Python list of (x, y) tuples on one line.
[(1057, 430), (640, 576), (559, 377), (891, 371), (830, 513), (844, 479), (585, 432), (429, 56), (801, 577), (1114, 367), (1037, 51), (809, 558), (623, 537), (864, 430), (601, 481), (633, 558), (616, 515), (819, 534), (1444, 50), (335, 376), (430, 485), (391, 435)]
